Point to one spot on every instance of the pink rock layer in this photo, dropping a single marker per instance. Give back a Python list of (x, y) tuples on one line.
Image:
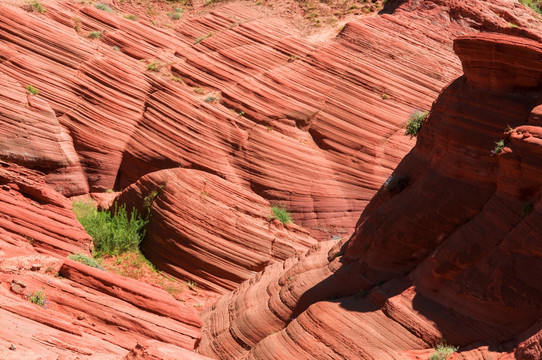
[(205, 229), (314, 124), (86, 313), (450, 254)]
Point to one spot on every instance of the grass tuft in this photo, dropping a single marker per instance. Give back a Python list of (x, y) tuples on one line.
[(443, 352), (31, 90), (280, 213), (415, 122), (104, 7), (38, 298), (95, 34), (87, 260), (114, 233)]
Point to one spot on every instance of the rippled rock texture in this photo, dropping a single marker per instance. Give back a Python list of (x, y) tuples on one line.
[(452, 255), (313, 123)]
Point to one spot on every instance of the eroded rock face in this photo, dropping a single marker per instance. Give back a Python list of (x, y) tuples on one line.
[(81, 311), (205, 229), (314, 124), (453, 255)]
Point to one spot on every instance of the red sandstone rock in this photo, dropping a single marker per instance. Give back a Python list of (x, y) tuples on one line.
[(205, 229), (86, 313), (454, 255), (321, 126)]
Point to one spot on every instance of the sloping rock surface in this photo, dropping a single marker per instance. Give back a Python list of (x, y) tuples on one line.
[(453, 254), (86, 313), (314, 124), (205, 229)]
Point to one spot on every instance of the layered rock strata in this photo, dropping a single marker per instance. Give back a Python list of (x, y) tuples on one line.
[(452, 254)]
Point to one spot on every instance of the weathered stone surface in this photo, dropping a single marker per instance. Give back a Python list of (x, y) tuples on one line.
[(321, 126), (85, 313), (205, 229), (454, 255)]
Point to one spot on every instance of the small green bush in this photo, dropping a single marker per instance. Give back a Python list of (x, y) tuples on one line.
[(154, 66), (280, 212), (211, 99), (535, 5), (38, 298), (415, 122), (31, 90), (104, 7), (131, 17), (192, 285), (114, 233), (84, 259), (95, 34), (443, 352), (35, 6), (499, 146)]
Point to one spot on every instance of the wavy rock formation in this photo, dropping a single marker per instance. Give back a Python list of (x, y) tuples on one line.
[(87, 313), (454, 254), (205, 229), (314, 124)]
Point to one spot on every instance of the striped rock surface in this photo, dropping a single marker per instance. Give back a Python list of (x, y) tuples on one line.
[(453, 254)]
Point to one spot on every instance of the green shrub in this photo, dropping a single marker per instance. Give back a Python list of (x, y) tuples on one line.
[(95, 34), (31, 90), (211, 99), (443, 352), (131, 17), (280, 212), (415, 122), (104, 7), (35, 6), (533, 4), (499, 146), (38, 298), (114, 233), (154, 66), (192, 285), (526, 208), (84, 259)]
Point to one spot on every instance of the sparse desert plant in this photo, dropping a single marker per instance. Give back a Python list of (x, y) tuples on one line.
[(31, 90), (499, 146), (131, 17), (84, 259), (200, 39), (415, 121), (280, 213), (526, 208), (154, 66), (95, 34), (112, 233), (177, 79), (535, 5), (192, 285), (199, 91), (396, 183), (211, 99), (443, 352), (104, 7), (35, 6), (38, 297)]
